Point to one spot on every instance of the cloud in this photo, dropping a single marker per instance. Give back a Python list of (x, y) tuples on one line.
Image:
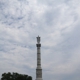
[(57, 23)]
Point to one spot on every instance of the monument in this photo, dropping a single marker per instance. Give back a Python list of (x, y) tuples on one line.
[(38, 69)]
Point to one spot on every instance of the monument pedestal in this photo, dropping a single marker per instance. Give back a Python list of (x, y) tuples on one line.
[(39, 79)]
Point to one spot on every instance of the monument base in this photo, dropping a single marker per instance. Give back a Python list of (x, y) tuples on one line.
[(39, 79)]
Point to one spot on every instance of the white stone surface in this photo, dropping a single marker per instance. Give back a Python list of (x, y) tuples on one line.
[(38, 69)]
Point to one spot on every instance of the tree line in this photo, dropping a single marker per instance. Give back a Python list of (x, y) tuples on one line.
[(15, 76)]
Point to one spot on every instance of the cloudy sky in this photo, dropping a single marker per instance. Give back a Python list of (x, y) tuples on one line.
[(57, 22)]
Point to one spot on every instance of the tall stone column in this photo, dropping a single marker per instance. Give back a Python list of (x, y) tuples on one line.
[(38, 69)]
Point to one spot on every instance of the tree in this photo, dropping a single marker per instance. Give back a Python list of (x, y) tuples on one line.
[(15, 76)]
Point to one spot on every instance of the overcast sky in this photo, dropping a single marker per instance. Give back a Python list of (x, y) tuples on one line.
[(57, 22)]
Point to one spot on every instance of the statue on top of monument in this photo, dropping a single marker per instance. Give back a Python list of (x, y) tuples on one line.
[(38, 39)]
